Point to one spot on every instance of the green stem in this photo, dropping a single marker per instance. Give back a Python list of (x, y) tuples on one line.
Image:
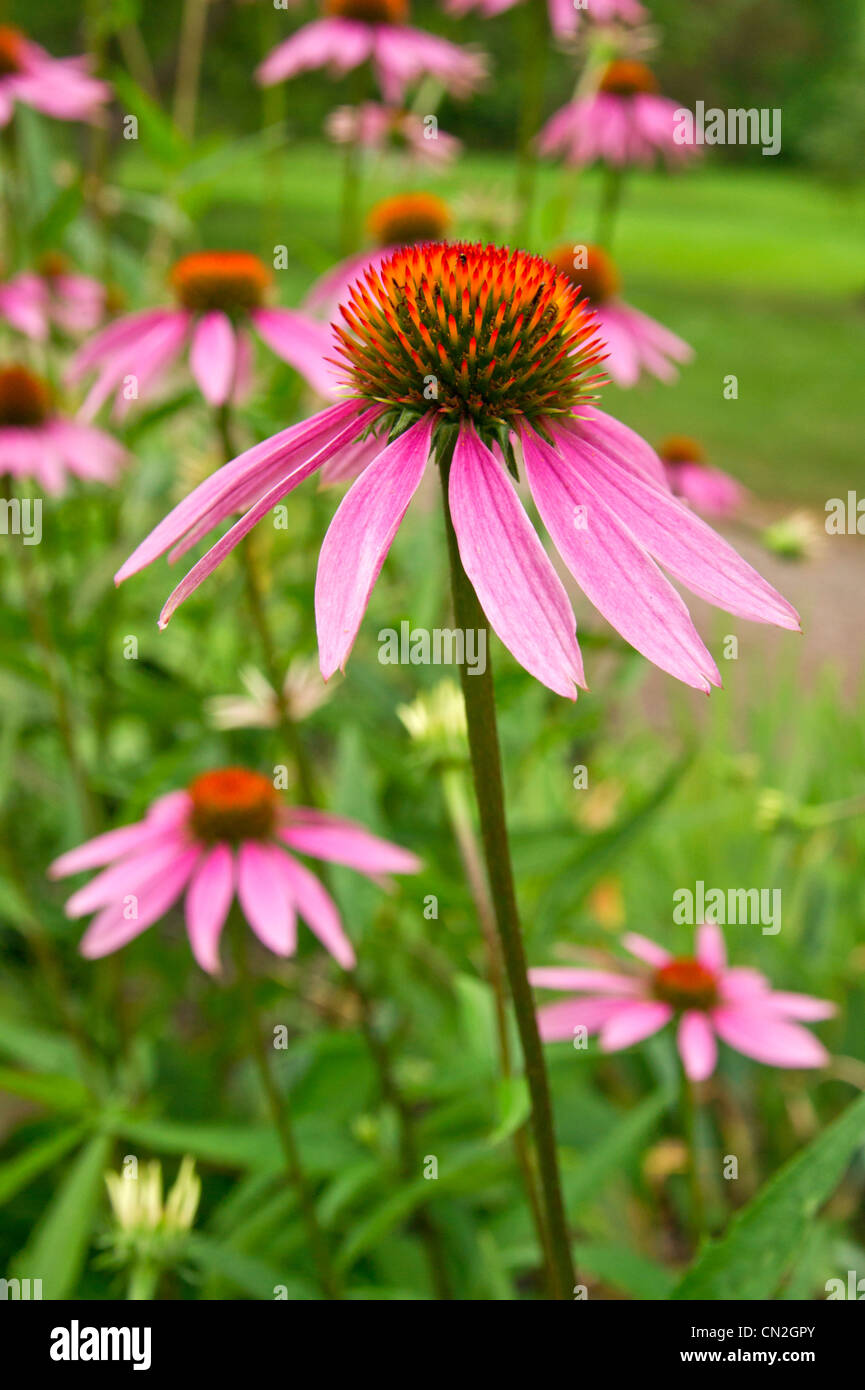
[(535, 43), (479, 695), (689, 1126), (143, 1282), (350, 202), (282, 1122), (608, 209)]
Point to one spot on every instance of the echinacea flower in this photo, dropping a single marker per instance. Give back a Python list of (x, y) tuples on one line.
[(707, 998), (624, 122), (401, 220), (357, 31), (58, 87), (52, 295), (374, 127), (228, 833), (303, 691), (635, 342), (220, 298), (691, 478), (485, 351), (564, 14), (38, 442)]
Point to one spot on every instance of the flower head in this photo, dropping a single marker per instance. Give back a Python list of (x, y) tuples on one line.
[(625, 121), (484, 360), (303, 690), (37, 441), (220, 298), (692, 479), (635, 343), (373, 126), (52, 295), (564, 14), (707, 998), (58, 87), (353, 32), (228, 833)]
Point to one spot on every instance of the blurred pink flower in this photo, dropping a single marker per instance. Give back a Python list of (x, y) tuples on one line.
[(624, 122), (635, 342), (37, 442), (58, 87), (564, 14), (35, 300), (225, 835), (357, 31), (375, 127), (220, 297), (709, 999), (516, 367), (691, 478)]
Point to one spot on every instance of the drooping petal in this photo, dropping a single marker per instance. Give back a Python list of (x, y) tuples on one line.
[(339, 841), (610, 566), (305, 344), (113, 844), (697, 1047), (594, 981), (359, 538), (120, 922), (562, 1019), (801, 1006), (513, 577), (208, 899), (319, 911), (646, 950), (756, 1032), (711, 947), (634, 1021), (264, 895), (122, 879), (213, 356)]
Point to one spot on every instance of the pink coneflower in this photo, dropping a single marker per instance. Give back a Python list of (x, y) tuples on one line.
[(480, 349), (624, 122), (635, 343), (692, 479), (357, 31), (708, 998), (401, 220), (374, 127), (58, 87), (225, 835), (220, 298), (37, 442), (52, 295), (564, 14)]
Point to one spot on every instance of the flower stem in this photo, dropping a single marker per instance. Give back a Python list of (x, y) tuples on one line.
[(689, 1126), (143, 1282), (282, 1121), (535, 43), (479, 695), (608, 208)]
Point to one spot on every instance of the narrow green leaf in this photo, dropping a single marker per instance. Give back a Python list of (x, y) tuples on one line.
[(54, 1092), (17, 1172), (58, 1245)]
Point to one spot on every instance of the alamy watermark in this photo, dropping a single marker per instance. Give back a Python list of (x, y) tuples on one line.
[(736, 126), (438, 646), (754, 907), (22, 516)]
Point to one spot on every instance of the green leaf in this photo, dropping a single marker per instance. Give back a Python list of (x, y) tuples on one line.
[(223, 1145), (624, 1269), (245, 1272), (17, 1172), (582, 1183), (763, 1239), (514, 1105), (58, 1245), (54, 1092)]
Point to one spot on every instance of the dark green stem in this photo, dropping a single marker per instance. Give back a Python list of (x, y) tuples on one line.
[(608, 210), (479, 695)]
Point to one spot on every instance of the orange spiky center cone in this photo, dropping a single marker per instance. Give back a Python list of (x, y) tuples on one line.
[(591, 268), (409, 217), (686, 984), (469, 332), (232, 804), (371, 11), (11, 50), (25, 399), (625, 77), (233, 281), (679, 448)]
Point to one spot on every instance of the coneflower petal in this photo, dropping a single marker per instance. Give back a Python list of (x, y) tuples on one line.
[(213, 356)]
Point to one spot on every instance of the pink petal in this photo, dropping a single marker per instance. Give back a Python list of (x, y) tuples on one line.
[(801, 1006), (104, 848), (518, 589), (111, 929), (319, 911), (741, 983), (634, 1021), (208, 899), (646, 950), (213, 356), (343, 842), (121, 880), (557, 1021), (359, 538), (263, 891), (697, 1047), (754, 1031), (304, 343), (595, 981), (609, 564), (711, 948)]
